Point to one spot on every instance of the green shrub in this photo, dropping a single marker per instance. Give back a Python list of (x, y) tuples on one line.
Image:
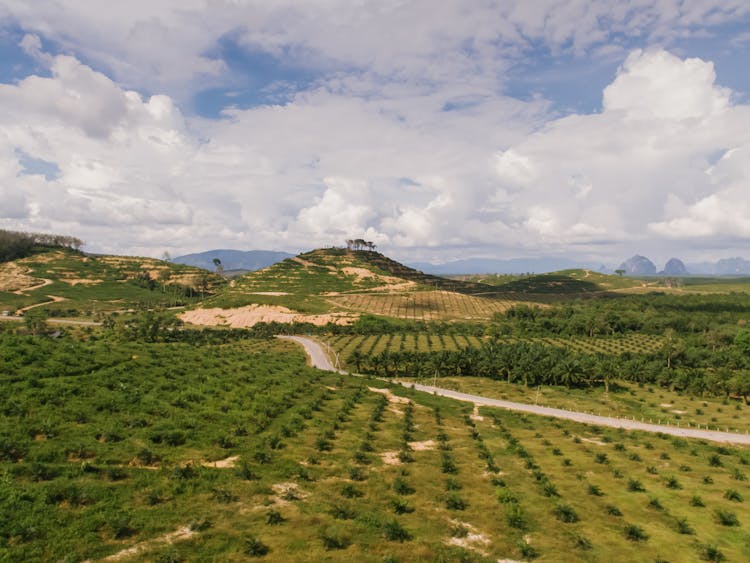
[(394, 531), (726, 518), (635, 486), (454, 502), (711, 553), (635, 533), (733, 495), (565, 513), (334, 538), (274, 517)]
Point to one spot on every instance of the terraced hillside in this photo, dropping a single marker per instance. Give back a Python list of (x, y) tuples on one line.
[(337, 285), (69, 282)]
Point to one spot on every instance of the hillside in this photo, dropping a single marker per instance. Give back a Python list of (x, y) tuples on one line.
[(65, 282), (250, 260), (338, 285), (562, 283)]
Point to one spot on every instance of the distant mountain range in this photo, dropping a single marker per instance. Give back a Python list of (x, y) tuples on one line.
[(251, 260), (510, 266), (248, 260), (642, 266)]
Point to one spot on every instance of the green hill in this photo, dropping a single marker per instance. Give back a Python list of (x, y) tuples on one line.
[(564, 282), (347, 282), (66, 282)]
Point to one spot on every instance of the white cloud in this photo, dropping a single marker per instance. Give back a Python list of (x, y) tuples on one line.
[(657, 84), (405, 138)]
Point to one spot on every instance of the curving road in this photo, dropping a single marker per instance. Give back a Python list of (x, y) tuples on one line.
[(320, 360)]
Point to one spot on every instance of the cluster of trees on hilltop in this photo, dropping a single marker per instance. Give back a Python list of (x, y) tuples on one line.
[(360, 244), (15, 244)]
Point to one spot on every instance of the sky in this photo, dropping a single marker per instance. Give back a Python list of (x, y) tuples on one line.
[(438, 130)]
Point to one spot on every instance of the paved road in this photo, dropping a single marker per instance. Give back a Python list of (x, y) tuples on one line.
[(318, 357), (320, 360)]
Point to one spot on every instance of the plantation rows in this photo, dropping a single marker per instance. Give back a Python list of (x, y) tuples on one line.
[(345, 345), (424, 305), (97, 462)]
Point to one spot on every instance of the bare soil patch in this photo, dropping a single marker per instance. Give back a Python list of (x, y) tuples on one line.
[(251, 315), (226, 463), (390, 396), (180, 534)]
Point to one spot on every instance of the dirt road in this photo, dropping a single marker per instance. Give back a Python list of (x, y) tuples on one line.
[(320, 360)]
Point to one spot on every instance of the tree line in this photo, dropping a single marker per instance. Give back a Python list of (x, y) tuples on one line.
[(16, 244), (695, 370)]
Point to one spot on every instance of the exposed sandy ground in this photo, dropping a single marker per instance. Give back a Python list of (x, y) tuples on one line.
[(391, 458), (274, 293), (390, 396), (179, 535), (361, 273), (14, 277), (253, 314), (55, 299), (226, 463)]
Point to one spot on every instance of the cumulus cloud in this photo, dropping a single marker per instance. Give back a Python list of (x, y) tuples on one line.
[(409, 142)]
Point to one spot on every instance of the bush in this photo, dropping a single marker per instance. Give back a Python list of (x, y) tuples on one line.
[(401, 506), (612, 510), (733, 495), (350, 491), (334, 538), (454, 502), (527, 550), (565, 513), (696, 501), (635, 486), (515, 517), (342, 512), (712, 553), (402, 487), (595, 491), (274, 517), (673, 483), (684, 527), (726, 518), (393, 531), (635, 533), (254, 547)]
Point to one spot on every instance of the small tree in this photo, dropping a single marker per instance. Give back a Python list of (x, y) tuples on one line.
[(619, 272)]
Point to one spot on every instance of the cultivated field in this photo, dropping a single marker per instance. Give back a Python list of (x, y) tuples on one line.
[(424, 305), (296, 465), (424, 342)]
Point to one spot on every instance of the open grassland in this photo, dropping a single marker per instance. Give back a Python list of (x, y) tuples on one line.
[(238, 450), (68, 283)]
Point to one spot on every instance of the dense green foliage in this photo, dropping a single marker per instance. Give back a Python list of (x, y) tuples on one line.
[(15, 244)]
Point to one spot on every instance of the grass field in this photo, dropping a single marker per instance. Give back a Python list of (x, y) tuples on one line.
[(120, 455)]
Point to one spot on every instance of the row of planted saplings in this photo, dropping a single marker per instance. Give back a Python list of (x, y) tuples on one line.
[(254, 547), (635, 533)]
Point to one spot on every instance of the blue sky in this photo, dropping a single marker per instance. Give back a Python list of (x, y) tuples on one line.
[(494, 129)]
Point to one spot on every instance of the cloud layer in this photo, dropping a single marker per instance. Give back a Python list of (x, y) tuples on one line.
[(406, 135)]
